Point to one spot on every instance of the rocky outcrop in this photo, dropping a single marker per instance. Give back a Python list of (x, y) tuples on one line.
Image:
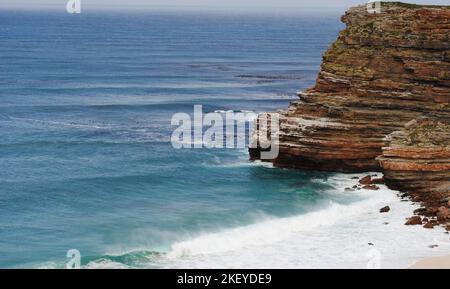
[(384, 70), (417, 160)]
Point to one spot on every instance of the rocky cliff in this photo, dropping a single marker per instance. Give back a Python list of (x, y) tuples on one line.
[(384, 70), (417, 160)]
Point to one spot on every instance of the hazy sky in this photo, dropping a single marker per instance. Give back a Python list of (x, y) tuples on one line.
[(196, 4)]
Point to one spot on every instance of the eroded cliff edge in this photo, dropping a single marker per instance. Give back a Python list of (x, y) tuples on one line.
[(384, 70), (416, 160)]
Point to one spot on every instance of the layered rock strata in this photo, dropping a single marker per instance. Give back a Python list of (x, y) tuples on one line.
[(417, 160), (384, 70)]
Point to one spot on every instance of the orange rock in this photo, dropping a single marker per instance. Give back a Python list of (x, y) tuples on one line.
[(367, 180), (416, 220), (443, 214)]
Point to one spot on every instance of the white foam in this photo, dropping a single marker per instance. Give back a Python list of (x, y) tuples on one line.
[(271, 231), (241, 164), (105, 264), (57, 123), (262, 233), (335, 236)]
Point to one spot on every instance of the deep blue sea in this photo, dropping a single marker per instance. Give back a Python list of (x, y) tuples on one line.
[(86, 160)]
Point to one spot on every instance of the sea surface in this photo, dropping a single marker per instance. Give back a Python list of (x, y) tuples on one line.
[(86, 160)]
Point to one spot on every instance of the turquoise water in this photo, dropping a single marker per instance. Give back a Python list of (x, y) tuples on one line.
[(85, 106)]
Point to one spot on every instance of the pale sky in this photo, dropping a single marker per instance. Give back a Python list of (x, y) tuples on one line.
[(197, 4)]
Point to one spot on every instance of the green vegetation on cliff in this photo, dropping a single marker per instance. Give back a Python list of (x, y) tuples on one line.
[(426, 133), (412, 6)]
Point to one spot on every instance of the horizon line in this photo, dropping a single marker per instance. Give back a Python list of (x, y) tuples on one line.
[(181, 8)]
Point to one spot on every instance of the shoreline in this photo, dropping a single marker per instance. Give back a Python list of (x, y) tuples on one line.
[(432, 263), (368, 229)]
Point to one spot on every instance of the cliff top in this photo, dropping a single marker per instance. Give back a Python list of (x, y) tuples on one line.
[(395, 8), (413, 6), (409, 5), (400, 25)]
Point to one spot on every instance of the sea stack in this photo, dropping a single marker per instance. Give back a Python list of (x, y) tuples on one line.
[(385, 70)]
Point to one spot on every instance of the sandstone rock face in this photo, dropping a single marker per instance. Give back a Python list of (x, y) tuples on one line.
[(417, 158), (384, 70)]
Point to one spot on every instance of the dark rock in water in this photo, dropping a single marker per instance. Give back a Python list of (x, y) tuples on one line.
[(429, 225), (378, 181), (371, 187), (433, 246), (413, 221), (349, 190), (385, 209), (371, 244), (367, 180), (420, 211), (448, 227)]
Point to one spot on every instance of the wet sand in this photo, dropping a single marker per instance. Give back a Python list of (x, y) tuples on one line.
[(433, 263)]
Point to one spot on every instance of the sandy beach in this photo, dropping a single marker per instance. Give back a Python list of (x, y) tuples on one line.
[(433, 263)]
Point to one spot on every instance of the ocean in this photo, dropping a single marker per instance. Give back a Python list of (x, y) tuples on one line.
[(86, 160)]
